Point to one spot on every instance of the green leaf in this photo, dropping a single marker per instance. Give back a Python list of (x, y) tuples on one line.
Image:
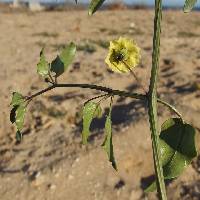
[(90, 111), (43, 65), (107, 144), (177, 146), (181, 138), (19, 116), (62, 62), (17, 99), (13, 114), (166, 152), (151, 188), (189, 4), (18, 136), (94, 6)]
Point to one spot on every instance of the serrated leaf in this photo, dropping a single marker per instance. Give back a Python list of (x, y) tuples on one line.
[(94, 6), (43, 65), (17, 99), (19, 116), (60, 64), (18, 136), (90, 111), (188, 6), (177, 144), (107, 144)]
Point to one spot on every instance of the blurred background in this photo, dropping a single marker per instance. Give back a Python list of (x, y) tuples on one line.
[(51, 163), (166, 3)]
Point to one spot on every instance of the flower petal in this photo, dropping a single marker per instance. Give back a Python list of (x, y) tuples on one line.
[(123, 55)]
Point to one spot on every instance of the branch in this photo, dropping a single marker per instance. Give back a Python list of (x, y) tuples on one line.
[(89, 86), (107, 90)]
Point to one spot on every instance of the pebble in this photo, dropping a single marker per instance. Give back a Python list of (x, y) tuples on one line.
[(132, 25), (87, 173), (37, 179), (52, 186)]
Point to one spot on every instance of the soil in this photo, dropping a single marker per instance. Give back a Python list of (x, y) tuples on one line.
[(51, 163)]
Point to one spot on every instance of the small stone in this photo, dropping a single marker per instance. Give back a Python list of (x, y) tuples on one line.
[(52, 186), (132, 25), (120, 184), (37, 179), (87, 173)]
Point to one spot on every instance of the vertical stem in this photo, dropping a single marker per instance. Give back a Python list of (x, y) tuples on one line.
[(152, 101)]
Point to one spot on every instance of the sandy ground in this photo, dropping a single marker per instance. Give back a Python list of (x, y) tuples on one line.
[(51, 163)]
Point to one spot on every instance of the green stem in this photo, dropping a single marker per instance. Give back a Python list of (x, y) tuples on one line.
[(107, 90), (152, 101), (135, 76), (92, 87), (97, 97), (172, 108), (51, 78)]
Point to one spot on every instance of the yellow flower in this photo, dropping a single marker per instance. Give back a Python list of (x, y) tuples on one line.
[(124, 54)]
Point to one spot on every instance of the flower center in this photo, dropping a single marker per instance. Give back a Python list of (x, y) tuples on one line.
[(118, 56)]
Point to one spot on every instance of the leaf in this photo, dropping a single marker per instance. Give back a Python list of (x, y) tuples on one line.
[(18, 136), (151, 188), (62, 62), (19, 116), (189, 4), (43, 65), (181, 138), (13, 114), (17, 99), (107, 144), (94, 6), (166, 154), (90, 111), (177, 147)]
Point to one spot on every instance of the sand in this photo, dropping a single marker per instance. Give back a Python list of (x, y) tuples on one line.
[(51, 163)]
